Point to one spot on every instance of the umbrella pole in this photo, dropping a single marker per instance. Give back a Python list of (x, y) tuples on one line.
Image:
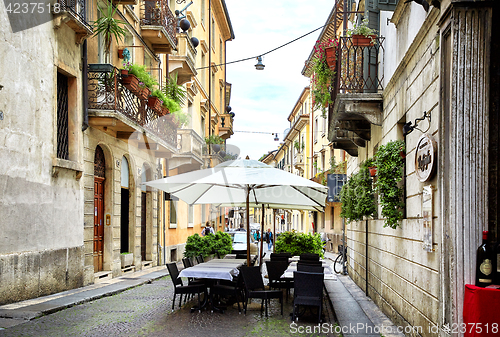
[(274, 230), (261, 236), (248, 226)]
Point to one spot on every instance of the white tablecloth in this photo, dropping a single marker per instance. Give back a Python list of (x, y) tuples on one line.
[(214, 269), (329, 273)]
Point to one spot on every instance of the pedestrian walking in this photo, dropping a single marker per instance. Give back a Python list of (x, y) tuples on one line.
[(269, 239), (207, 230), (256, 235)]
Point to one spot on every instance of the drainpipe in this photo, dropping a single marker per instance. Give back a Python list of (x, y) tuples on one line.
[(344, 242), (209, 73), (85, 96), (366, 257), (312, 142)]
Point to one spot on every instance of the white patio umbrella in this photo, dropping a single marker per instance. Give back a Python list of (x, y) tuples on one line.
[(248, 182)]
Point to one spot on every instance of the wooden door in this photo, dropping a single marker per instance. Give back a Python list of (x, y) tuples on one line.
[(98, 223), (143, 226)]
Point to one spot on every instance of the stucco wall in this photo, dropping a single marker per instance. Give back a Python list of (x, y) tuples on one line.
[(41, 206), (403, 279)]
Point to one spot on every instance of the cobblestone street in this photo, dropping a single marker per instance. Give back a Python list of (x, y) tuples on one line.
[(146, 311)]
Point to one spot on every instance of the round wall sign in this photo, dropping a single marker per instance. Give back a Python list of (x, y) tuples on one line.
[(425, 158)]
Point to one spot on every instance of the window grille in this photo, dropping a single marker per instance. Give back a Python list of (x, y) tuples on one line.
[(62, 117)]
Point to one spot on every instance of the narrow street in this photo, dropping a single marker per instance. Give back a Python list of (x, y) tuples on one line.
[(146, 311)]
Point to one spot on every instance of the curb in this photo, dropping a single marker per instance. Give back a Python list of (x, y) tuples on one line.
[(71, 300)]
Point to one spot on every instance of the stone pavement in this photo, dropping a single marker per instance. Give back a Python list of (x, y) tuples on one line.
[(356, 313), (140, 304)]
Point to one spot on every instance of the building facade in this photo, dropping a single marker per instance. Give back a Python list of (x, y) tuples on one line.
[(202, 71), (426, 62), (76, 148)]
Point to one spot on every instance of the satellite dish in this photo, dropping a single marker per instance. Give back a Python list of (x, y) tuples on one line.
[(285, 133)]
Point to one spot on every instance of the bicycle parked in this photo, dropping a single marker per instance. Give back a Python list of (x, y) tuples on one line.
[(340, 264)]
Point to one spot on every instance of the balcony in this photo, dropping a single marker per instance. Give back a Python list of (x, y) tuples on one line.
[(357, 94), (217, 153), (298, 161), (114, 109), (189, 156), (74, 14), (183, 61), (158, 26), (226, 126)]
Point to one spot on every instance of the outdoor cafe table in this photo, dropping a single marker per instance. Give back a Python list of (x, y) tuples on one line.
[(329, 273), (219, 269), (296, 258)]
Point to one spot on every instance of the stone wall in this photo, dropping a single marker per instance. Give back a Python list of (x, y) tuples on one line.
[(403, 279)]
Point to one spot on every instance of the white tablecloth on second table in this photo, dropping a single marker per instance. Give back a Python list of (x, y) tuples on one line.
[(329, 273), (214, 269)]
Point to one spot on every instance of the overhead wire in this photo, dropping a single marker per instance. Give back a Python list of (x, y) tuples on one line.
[(268, 52)]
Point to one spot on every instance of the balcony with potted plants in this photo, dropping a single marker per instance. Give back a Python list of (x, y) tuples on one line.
[(118, 106), (74, 14), (158, 26), (356, 95)]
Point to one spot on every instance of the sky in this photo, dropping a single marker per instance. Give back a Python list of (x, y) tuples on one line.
[(263, 99)]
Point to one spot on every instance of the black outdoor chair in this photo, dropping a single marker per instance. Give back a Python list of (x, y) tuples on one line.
[(310, 268), (254, 288), (309, 257), (199, 259), (310, 263), (308, 291), (181, 289), (241, 256), (188, 263), (280, 257), (275, 270), (227, 289)]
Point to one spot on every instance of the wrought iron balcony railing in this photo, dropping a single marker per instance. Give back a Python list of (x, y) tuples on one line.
[(157, 13), (76, 7), (358, 66), (106, 92)]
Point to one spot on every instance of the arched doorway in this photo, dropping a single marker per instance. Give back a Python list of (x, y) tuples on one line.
[(99, 178), (125, 207)]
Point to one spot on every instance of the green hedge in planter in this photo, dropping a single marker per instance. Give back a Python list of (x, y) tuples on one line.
[(390, 165), (298, 243), (357, 197), (208, 244)]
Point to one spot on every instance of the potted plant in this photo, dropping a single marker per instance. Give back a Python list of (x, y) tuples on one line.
[(144, 91), (173, 90), (323, 73), (370, 164), (127, 259), (108, 27), (128, 78), (155, 101), (145, 82), (362, 35), (390, 167), (296, 145)]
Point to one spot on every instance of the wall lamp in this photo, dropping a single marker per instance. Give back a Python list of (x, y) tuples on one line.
[(408, 127)]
